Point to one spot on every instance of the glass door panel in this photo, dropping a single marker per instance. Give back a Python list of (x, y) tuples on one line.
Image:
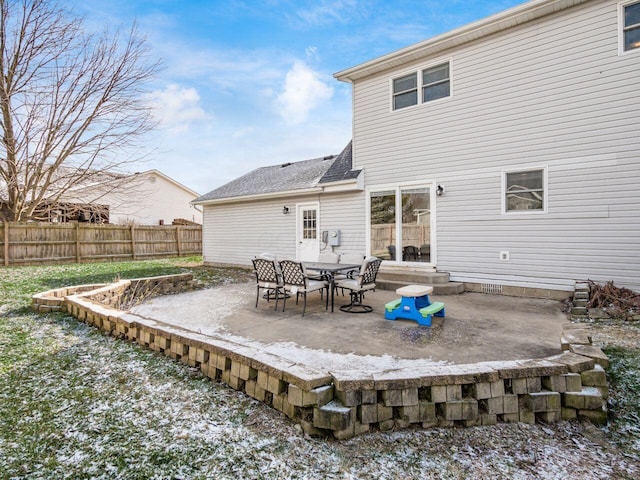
[(416, 225), (383, 224)]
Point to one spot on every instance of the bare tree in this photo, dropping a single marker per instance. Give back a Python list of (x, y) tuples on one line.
[(72, 104)]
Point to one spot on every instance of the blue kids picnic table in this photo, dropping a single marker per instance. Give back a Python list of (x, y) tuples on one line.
[(414, 305)]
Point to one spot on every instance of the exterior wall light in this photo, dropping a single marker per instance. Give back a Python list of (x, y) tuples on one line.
[(285, 210), (439, 190)]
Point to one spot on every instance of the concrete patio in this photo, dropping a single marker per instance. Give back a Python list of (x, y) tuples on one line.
[(477, 328), (492, 359)]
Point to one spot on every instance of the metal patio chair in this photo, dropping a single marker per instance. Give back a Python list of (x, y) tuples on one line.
[(268, 278), (296, 282), (364, 282)]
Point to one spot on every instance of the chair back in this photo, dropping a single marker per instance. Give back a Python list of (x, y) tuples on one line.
[(352, 258), (293, 273), (369, 271), (265, 270), (410, 252), (328, 257), (271, 256)]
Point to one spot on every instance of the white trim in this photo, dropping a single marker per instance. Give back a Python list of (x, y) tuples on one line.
[(621, 50), (545, 193), (260, 196), (354, 184)]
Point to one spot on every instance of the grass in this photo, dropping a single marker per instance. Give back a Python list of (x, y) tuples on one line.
[(624, 382), (77, 404)]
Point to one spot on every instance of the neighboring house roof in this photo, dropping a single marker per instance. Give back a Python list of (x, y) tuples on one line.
[(169, 179), (482, 28), (287, 177)]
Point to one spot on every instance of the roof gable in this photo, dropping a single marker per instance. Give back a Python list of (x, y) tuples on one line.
[(287, 177)]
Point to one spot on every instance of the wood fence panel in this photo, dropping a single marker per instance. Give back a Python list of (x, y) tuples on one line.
[(36, 243), (191, 239), (384, 235)]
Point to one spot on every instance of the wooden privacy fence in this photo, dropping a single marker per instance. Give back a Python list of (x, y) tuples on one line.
[(35, 243), (384, 234)]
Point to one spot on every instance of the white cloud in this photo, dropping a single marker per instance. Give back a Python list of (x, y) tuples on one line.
[(177, 107), (303, 91)]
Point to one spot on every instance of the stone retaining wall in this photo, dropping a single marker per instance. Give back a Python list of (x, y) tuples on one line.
[(565, 386)]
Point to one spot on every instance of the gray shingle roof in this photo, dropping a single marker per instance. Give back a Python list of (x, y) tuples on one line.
[(341, 168), (287, 177)]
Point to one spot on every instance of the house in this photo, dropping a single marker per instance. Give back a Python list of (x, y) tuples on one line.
[(144, 198), (283, 209), (505, 152), (155, 199)]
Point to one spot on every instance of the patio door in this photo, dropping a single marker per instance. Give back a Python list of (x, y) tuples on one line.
[(401, 224), (308, 246)]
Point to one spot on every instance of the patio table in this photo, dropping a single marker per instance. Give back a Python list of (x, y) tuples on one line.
[(330, 269)]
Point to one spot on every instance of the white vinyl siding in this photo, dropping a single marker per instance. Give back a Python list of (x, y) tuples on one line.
[(630, 25), (550, 92), (345, 212), (235, 232)]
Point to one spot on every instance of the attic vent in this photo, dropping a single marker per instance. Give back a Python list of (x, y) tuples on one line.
[(328, 157), (285, 164), (492, 288)]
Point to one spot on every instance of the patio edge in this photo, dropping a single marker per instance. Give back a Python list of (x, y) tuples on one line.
[(566, 386)]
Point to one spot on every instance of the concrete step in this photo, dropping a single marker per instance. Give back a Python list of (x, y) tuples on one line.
[(450, 288), (413, 277), (581, 296)]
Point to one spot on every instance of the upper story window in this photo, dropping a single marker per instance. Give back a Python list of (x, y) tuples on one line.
[(525, 190), (405, 91), (631, 26), (434, 83)]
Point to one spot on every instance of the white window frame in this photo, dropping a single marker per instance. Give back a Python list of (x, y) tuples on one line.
[(419, 75), (621, 28), (545, 193), (397, 188), (394, 93), (433, 84)]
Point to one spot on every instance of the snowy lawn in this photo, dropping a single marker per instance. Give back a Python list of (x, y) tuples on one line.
[(77, 404)]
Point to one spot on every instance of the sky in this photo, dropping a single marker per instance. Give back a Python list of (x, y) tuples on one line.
[(246, 84)]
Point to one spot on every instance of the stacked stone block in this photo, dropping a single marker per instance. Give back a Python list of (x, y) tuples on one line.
[(580, 300), (569, 385)]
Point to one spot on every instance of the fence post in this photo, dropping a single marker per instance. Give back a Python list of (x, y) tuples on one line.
[(178, 240), (6, 244), (78, 256), (133, 241)]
